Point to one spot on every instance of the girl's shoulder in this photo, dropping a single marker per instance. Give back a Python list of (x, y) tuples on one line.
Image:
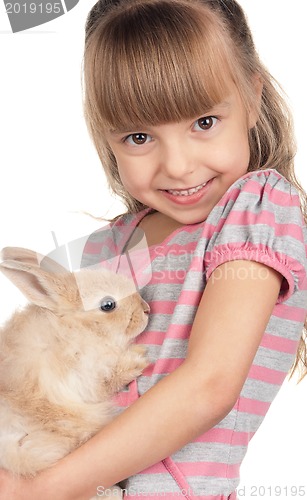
[(259, 191), (269, 179)]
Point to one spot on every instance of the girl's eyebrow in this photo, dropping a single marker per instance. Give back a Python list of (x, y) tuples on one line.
[(140, 127), (125, 130)]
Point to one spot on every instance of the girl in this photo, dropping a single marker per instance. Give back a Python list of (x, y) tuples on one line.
[(197, 141)]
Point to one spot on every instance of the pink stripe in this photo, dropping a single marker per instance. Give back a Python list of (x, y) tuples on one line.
[(209, 469), (281, 198), (280, 344), (148, 372), (210, 229), (150, 338), (153, 337), (198, 259), (231, 195), (122, 399), (225, 436), (246, 405), (178, 332), (189, 297), (290, 312), (266, 375), (162, 307), (126, 398)]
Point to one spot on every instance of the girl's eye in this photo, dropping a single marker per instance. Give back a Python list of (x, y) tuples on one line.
[(137, 139), (206, 123)]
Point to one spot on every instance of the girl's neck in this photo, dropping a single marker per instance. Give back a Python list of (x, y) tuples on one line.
[(157, 227)]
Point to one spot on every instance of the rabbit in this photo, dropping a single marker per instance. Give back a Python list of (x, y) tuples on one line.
[(63, 357)]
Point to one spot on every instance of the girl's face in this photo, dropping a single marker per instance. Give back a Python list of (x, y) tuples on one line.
[(183, 169)]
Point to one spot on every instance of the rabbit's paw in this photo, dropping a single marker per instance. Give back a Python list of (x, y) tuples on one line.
[(139, 359), (130, 366)]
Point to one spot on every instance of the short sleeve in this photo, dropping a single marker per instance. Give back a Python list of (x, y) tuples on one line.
[(260, 219)]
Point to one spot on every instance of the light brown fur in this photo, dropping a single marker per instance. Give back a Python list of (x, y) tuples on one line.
[(63, 358)]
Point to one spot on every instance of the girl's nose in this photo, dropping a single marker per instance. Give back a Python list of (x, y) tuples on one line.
[(177, 161)]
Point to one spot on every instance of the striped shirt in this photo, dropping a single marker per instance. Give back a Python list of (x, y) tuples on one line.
[(258, 219)]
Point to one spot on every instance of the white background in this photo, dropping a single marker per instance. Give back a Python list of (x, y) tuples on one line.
[(50, 174)]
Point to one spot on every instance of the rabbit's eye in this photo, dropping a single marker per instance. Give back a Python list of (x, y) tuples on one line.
[(107, 304)]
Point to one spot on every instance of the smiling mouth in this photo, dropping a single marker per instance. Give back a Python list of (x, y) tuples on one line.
[(186, 192)]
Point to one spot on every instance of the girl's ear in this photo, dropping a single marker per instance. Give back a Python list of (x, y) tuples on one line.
[(255, 109)]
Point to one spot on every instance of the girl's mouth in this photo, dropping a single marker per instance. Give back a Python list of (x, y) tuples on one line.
[(187, 196), (186, 192)]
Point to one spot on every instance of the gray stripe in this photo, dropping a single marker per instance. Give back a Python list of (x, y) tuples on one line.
[(298, 300), (275, 360), (151, 484), (243, 422), (184, 236), (259, 391), (171, 291), (184, 314), (159, 323), (171, 348), (284, 328), (210, 452), (203, 485)]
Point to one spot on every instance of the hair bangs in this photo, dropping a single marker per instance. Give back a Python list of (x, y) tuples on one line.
[(157, 63)]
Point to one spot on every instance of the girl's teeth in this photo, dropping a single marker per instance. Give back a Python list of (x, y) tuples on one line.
[(186, 192)]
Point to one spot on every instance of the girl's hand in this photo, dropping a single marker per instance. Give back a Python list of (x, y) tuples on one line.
[(19, 488), (12, 487), (41, 486), (47, 485)]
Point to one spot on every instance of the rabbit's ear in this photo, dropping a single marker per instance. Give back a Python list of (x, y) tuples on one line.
[(29, 257), (37, 285)]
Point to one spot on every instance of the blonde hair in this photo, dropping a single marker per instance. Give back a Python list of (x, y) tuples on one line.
[(159, 61)]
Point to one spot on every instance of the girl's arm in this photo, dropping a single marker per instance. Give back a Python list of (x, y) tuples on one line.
[(226, 333)]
